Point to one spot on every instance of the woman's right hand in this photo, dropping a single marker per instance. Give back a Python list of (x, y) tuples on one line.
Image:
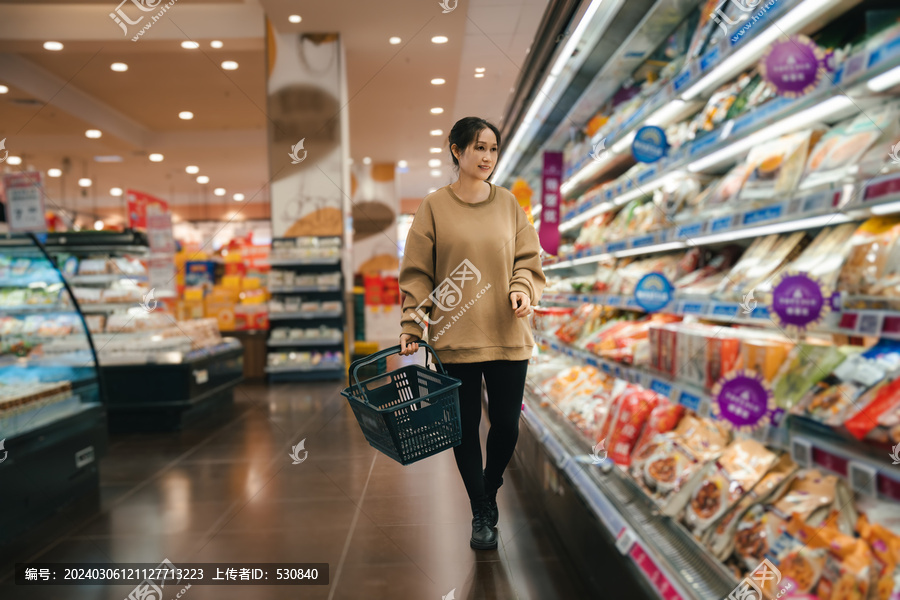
[(409, 344)]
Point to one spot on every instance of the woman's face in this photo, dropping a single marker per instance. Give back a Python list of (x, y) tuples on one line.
[(479, 159)]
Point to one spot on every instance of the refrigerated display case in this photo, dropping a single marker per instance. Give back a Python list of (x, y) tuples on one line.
[(53, 423)]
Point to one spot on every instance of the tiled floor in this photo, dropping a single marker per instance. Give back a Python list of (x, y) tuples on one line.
[(228, 492)]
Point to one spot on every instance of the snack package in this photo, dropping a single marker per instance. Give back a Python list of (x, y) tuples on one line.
[(723, 355), (720, 539), (725, 480), (811, 495), (766, 357), (778, 165), (871, 246), (806, 365), (663, 419), (884, 400), (885, 546), (633, 411)]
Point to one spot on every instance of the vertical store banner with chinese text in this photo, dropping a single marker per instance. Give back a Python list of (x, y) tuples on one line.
[(550, 183)]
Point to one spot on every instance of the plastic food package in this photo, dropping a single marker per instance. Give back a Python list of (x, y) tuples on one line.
[(762, 265), (663, 419), (778, 165), (725, 481), (871, 247), (806, 365), (632, 413)]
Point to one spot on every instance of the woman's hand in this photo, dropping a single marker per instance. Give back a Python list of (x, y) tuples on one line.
[(409, 344), (521, 303)]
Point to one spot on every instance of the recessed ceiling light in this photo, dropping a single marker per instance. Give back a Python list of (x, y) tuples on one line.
[(238, 197), (402, 164), (3, 89), (434, 162), (14, 160), (93, 133), (435, 150), (439, 39), (119, 67), (108, 158), (367, 160), (98, 225), (186, 115), (216, 44), (156, 157), (84, 182), (479, 75), (479, 69), (295, 18), (395, 40), (54, 173), (188, 45), (438, 81), (230, 65), (115, 192), (202, 179), (54, 46), (192, 170), (437, 110), (219, 191), (435, 172), (437, 132)]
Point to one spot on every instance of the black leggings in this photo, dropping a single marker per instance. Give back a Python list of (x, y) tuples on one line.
[(505, 380)]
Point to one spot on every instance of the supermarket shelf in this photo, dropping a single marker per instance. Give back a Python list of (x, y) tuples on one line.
[(107, 307), (31, 309), (299, 369), (300, 262), (673, 563), (103, 278), (72, 360), (732, 54), (287, 316), (847, 321), (804, 211), (304, 342), (685, 394), (287, 373), (303, 288)]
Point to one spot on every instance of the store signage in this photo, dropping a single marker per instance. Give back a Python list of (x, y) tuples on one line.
[(650, 144), (799, 301), (550, 201), (24, 201), (795, 66), (653, 292), (140, 205), (743, 400)]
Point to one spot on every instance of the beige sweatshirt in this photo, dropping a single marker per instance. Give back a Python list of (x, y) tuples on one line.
[(461, 263)]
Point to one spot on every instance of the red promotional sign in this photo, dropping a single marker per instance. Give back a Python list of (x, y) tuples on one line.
[(140, 204), (550, 197)]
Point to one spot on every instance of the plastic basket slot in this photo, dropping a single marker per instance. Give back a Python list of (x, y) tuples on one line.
[(404, 391)]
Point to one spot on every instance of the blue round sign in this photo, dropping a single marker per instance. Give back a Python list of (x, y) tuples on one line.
[(653, 292), (650, 144)]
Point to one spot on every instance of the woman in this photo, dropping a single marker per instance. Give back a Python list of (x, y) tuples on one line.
[(472, 271)]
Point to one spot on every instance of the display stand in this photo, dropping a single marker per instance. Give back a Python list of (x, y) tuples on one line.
[(52, 421), (306, 283)]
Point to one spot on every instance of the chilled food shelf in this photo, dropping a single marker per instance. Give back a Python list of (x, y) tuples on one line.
[(774, 118), (108, 307), (674, 565), (304, 342), (302, 262), (303, 288), (102, 278), (287, 316)]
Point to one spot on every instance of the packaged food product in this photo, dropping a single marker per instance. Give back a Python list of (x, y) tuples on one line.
[(778, 165), (784, 250), (632, 413), (885, 399), (764, 356), (725, 480), (885, 546), (663, 419), (723, 355), (870, 247), (806, 365), (721, 538), (755, 534), (810, 495)]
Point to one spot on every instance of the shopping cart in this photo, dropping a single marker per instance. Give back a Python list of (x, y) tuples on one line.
[(408, 414)]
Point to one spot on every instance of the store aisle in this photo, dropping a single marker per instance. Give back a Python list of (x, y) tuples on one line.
[(229, 492)]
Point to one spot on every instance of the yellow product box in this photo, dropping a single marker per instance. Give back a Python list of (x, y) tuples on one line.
[(764, 356)]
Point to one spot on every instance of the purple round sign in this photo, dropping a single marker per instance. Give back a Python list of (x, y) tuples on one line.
[(798, 300), (794, 66), (743, 401)]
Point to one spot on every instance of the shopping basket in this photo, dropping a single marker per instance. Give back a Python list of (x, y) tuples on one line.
[(408, 414)]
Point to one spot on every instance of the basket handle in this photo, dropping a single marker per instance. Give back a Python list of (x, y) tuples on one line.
[(356, 364)]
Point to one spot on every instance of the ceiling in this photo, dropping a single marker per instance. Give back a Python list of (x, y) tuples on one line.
[(54, 97)]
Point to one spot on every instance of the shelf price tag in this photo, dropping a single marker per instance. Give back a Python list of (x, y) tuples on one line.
[(625, 540), (863, 478)]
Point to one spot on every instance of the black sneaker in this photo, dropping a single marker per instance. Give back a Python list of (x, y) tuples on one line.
[(484, 537)]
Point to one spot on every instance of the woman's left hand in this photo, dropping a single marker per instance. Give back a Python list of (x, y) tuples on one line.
[(521, 303)]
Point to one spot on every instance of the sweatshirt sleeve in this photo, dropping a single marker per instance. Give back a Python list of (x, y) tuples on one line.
[(528, 276), (417, 272)]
